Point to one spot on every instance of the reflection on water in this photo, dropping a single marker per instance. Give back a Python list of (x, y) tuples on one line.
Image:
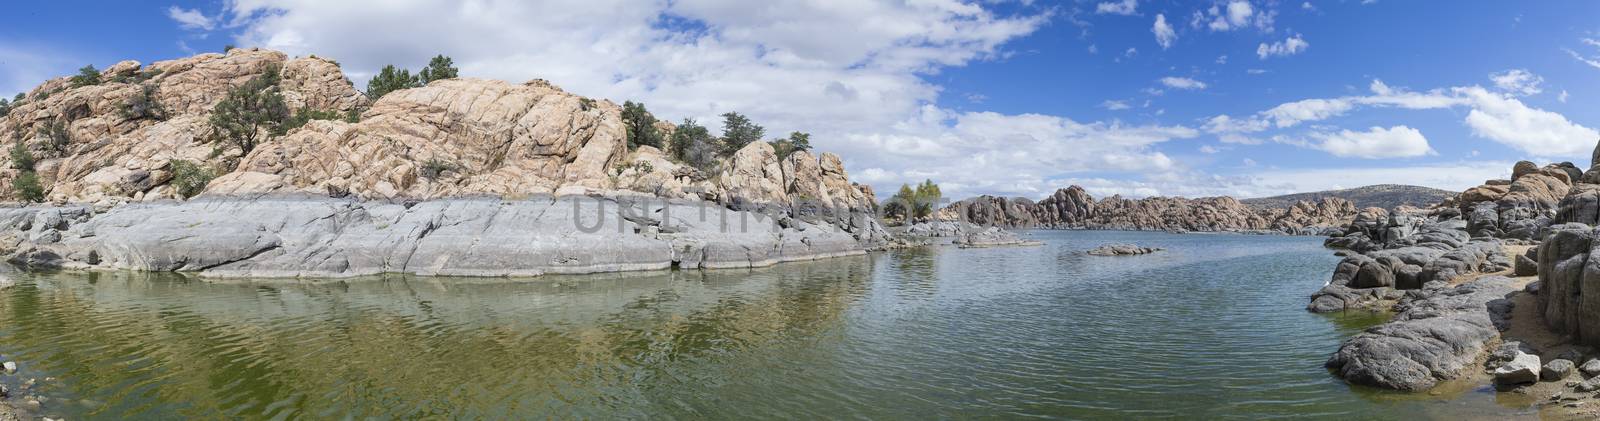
[(1213, 327)]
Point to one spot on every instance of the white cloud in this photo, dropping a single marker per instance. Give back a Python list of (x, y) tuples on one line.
[(1115, 105), (1541, 133), (1164, 33), (1494, 116), (1182, 83), (1308, 6), (1222, 59), (1592, 61), (1291, 46), (1123, 7), (1375, 143), (1256, 71), (191, 19), (1518, 82), (1235, 14), (1271, 181), (986, 152), (1208, 149), (1562, 97)]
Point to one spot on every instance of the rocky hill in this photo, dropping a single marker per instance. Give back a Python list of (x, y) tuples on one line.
[(453, 137), (1073, 208), (459, 177), (1387, 196)]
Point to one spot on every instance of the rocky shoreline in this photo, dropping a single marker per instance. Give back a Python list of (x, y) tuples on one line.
[(307, 236), (1488, 285), (1074, 208)]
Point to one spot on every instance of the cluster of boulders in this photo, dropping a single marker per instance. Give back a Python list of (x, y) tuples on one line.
[(1420, 261), (959, 233), (1120, 249), (1073, 208)]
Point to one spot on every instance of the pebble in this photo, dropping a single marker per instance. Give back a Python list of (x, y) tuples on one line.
[(10, 366)]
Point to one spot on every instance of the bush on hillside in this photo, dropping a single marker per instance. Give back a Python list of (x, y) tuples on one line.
[(27, 187), (189, 179), (251, 113)]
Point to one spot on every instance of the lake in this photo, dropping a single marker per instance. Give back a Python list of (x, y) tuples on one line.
[(1213, 327)]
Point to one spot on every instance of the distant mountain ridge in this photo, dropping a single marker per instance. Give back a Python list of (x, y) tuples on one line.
[(1387, 196)]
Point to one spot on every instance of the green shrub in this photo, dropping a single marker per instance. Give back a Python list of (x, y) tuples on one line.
[(5, 107), (440, 67), (914, 204), (737, 132), (641, 126), (389, 80), (26, 186), (86, 76), (305, 115), (21, 158), (143, 105), (251, 113), (797, 141), (434, 168), (189, 179), (692, 144), (56, 136)]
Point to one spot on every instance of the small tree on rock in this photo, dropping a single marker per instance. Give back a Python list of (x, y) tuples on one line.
[(390, 79), (737, 132), (86, 76), (797, 141), (27, 187), (440, 67), (641, 126), (692, 144), (251, 113)]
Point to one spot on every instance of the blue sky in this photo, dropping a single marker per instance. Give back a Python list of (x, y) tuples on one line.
[(1237, 97)]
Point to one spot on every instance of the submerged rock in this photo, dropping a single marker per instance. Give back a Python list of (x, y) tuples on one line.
[(1121, 250)]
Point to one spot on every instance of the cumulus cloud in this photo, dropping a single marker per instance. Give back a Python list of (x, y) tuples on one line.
[(1014, 154), (1288, 47), (844, 71), (1498, 117), (1184, 83), (1517, 82), (1164, 33), (1539, 132), (1235, 14), (1269, 181), (191, 19), (1123, 7), (1375, 143)]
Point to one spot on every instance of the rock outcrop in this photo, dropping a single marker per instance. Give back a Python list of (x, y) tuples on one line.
[(451, 138), (1437, 335), (1073, 208), (460, 177), (283, 236), (1121, 250)]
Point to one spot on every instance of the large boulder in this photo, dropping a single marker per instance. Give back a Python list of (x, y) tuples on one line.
[(1433, 338)]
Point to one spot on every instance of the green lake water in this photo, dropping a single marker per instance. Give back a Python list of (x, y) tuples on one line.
[(1213, 327)]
